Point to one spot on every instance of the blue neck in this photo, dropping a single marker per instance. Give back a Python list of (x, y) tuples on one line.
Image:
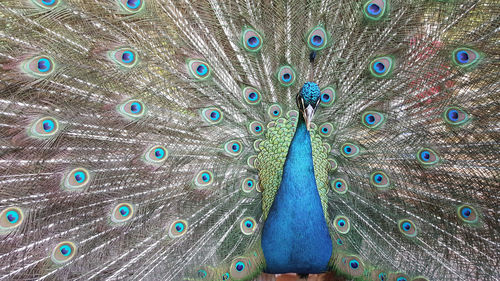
[(295, 237)]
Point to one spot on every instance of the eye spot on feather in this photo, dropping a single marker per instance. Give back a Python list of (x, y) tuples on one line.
[(248, 225), (465, 57), (372, 119), (467, 214), (225, 276), (44, 128), (156, 155), (202, 273), (398, 277), (407, 227), (122, 212), (233, 148), (375, 9), (240, 268), (177, 229), (339, 186), (328, 96), (212, 115), (256, 128), (199, 69), (133, 109), (251, 40), (427, 157), (455, 116), (349, 150), (274, 111), (47, 4), (76, 179), (203, 178), (381, 66), (63, 252), (131, 6), (379, 180), (350, 265), (10, 218), (124, 57), (251, 95), (317, 39), (326, 130), (248, 185), (40, 66), (286, 76), (342, 224)]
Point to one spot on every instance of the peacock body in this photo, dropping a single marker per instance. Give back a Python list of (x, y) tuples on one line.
[(217, 140)]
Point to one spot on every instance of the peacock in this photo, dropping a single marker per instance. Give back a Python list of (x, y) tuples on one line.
[(189, 140)]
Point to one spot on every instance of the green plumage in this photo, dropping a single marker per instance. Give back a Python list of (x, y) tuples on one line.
[(146, 140)]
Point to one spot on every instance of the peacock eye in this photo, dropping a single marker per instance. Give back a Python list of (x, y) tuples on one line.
[(465, 57), (341, 224), (467, 214), (76, 179), (240, 268), (381, 67), (177, 228), (407, 227), (256, 128), (63, 252), (351, 264), (400, 277), (233, 148), (199, 69), (274, 111), (134, 109), (317, 38), (379, 179), (44, 127), (47, 4), (204, 178), (125, 57), (339, 186), (251, 95), (40, 66), (248, 185), (349, 150), (455, 116), (326, 129), (372, 119), (286, 76), (202, 273), (252, 41), (248, 225), (327, 97), (10, 218), (374, 9), (132, 6), (122, 212), (156, 154), (427, 157), (212, 115)]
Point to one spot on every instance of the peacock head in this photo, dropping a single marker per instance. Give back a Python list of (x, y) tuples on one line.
[(308, 100)]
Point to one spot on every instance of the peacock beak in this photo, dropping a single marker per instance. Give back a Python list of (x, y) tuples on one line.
[(308, 114)]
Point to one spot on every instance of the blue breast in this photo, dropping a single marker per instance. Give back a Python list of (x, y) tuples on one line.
[(295, 237)]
